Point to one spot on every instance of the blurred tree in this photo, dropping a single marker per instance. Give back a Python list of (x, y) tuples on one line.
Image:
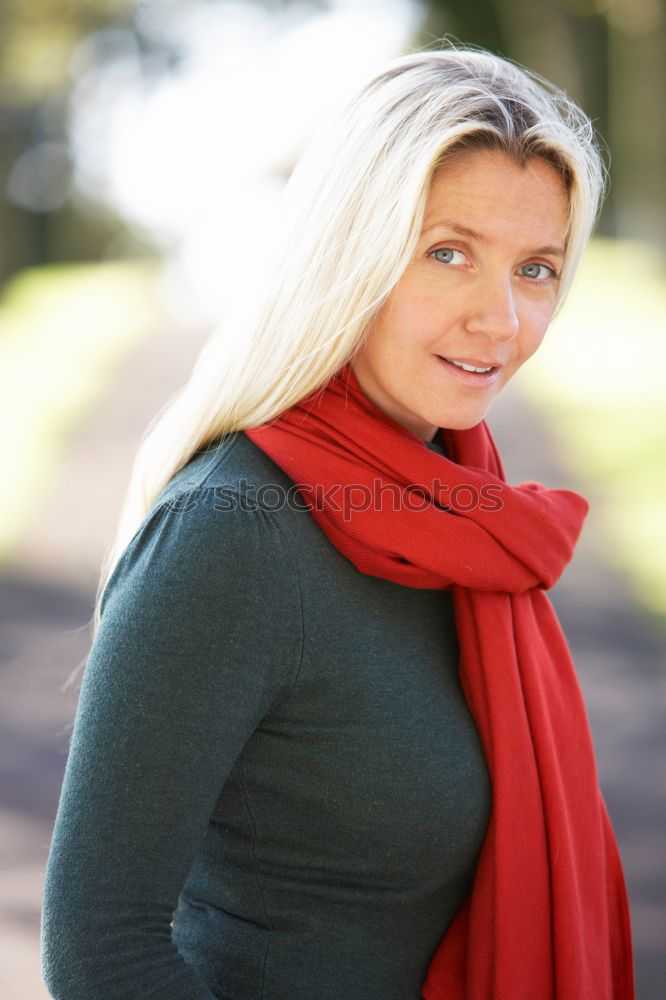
[(473, 23), (38, 223), (608, 54), (37, 38), (637, 123)]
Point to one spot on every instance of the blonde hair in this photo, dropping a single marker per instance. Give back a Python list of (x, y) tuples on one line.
[(353, 211)]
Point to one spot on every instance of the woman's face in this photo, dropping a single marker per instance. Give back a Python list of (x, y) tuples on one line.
[(480, 290)]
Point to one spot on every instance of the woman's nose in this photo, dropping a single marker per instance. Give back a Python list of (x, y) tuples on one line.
[(493, 311)]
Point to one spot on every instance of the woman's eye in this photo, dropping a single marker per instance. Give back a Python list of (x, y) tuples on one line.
[(534, 270), (445, 254)]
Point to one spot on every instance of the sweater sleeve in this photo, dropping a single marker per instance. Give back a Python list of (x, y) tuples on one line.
[(200, 634)]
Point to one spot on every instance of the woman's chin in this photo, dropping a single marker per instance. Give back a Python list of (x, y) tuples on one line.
[(463, 422)]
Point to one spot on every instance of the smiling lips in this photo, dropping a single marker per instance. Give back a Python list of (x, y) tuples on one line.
[(473, 364), (472, 370)]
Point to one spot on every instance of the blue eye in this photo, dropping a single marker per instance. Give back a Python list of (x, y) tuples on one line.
[(446, 253), (550, 273)]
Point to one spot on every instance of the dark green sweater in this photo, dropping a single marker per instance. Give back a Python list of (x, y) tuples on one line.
[(272, 750)]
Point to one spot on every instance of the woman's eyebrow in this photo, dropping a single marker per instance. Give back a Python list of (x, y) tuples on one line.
[(473, 235)]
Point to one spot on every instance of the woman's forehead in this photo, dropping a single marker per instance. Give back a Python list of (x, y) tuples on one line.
[(485, 195)]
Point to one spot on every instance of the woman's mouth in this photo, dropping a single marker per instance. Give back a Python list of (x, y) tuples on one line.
[(472, 371)]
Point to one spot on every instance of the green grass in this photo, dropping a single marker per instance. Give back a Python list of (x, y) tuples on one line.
[(63, 329), (600, 377)]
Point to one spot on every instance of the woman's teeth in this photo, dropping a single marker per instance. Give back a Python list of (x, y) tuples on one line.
[(467, 368)]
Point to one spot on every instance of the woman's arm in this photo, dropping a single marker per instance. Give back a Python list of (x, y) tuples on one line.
[(200, 634)]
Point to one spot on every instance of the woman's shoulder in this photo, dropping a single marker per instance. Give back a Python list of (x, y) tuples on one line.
[(233, 464), (214, 521), (233, 474)]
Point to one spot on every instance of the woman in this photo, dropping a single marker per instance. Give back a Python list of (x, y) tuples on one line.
[(330, 742)]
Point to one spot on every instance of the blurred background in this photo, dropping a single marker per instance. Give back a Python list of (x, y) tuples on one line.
[(142, 148)]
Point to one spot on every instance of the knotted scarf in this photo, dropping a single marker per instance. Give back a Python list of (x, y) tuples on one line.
[(547, 915)]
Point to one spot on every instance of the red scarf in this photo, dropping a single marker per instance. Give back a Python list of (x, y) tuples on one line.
[(547, 917)]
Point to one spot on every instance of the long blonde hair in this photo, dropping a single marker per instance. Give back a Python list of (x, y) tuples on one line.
[(353, 210)]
